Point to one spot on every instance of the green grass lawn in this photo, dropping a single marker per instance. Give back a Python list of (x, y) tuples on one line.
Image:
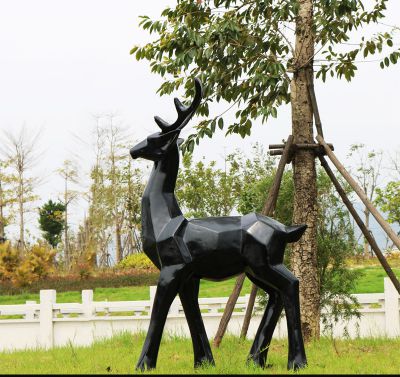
[(119, 356), (370, 281), (207, 289)]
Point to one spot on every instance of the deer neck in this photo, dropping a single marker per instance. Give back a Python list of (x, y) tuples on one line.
[(159, 204)]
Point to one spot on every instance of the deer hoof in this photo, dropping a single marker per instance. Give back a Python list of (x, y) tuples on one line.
[(204, 361), (258, 360), (145, 363), (297, 363)]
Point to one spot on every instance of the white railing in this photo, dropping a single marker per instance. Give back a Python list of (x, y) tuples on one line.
[(47, 324)]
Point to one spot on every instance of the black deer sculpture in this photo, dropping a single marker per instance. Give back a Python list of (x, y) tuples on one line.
[(214, 248)]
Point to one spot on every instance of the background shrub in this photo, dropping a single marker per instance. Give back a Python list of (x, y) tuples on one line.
[(22, 269), (39, 260), (139, 261), (9, 261)]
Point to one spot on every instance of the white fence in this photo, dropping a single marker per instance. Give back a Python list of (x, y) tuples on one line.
[(48, 324)]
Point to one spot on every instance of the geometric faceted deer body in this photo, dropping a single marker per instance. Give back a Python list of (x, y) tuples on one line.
[(214, 248)]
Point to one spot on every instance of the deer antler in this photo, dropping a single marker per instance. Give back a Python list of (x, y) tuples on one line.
[(184, 112)]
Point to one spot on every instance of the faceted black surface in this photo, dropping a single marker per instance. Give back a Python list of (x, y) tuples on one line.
[(214, 248)]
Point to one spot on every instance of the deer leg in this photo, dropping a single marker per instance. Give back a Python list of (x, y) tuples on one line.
[(262, 340), (167, 289), (288, 285), (189, 294)]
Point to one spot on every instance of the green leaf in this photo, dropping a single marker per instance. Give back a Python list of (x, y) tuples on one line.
[(133, 50), (213, 124), (190, 146)]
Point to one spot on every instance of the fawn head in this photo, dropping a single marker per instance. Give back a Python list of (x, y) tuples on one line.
[(157, 145)]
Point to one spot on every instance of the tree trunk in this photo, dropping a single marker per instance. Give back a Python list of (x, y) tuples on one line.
[(2, 221), (21, 244), (304, 252), (66, 245), (118, 241)]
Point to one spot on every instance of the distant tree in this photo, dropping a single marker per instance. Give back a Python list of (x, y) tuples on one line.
[(20, 153), (204, 190), (367, 173), (115, 193), (69, 173), (133, 197), (96, 224), (6, 198), (388, 197), (115, 138), (51, 221), (388, 200)]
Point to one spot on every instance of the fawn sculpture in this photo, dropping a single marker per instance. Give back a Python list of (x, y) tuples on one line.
[(213, 248)]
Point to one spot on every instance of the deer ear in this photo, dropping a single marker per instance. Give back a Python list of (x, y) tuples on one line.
[(170, 141), (294, 232), (160, 139)]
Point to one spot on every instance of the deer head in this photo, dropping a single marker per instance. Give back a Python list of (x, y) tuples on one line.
[(157, 145)]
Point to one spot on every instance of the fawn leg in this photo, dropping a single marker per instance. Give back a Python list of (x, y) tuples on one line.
[(262, 340), (288, 285), (188, 294), (167, 289)]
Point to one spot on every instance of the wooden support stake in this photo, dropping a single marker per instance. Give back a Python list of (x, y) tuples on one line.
[(249, 311), (359, 191), (361, 224), (276, 146), (268, 210), (299, 146), (277, 152), (272, 198), (230, 305), (314, 105)]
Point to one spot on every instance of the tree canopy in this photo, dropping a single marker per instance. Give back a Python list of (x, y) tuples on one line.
[(242, 50)]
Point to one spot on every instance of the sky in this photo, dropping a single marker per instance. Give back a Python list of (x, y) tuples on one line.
[(62, 62)]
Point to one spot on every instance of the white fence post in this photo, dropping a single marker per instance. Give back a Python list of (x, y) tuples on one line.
[(47, 299), (153, 289), (87, 303), (392, 316), (174, 308)]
